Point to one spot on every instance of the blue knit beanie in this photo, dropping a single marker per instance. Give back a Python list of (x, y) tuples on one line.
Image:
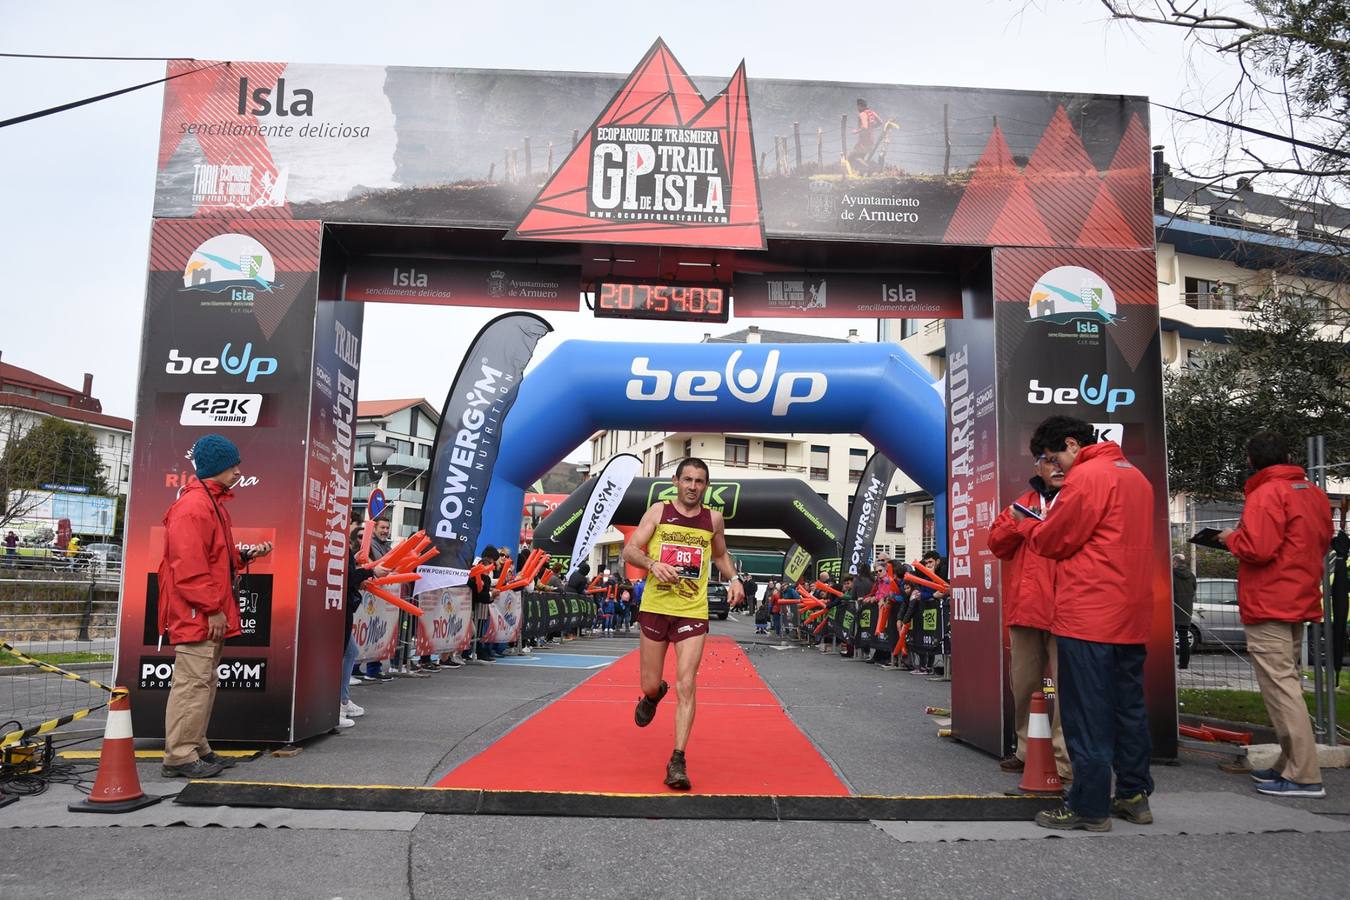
[(213, 454)]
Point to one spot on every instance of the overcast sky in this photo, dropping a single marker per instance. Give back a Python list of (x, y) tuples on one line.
[(78, 186)]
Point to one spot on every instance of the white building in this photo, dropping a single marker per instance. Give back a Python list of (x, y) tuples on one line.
[(26, 398), (831, 464), (409, 426)]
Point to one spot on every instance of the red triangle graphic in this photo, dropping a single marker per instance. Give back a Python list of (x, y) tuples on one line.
[(1130, 179), (1019, 223), (672, 199), (1106, 226), (991, 183), (1062, 179)]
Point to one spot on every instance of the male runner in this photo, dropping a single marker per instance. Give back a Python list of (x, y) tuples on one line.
[(675, 542)]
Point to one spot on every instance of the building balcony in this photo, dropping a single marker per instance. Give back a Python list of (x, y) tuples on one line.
[(361, 494)]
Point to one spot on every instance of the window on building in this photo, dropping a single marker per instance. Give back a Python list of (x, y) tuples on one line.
[(908, 328), (412, 518), (1203, 293), (660, 461), (929, 529), (737, 452), (775, 454), (403, 482), (857, 461), (895, 517), (424, 451), (688, 449), (878, 549), (820, 461)]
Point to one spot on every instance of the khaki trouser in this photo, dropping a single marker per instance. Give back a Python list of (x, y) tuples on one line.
[(1032, 651), (1274, 650), (190, 701)]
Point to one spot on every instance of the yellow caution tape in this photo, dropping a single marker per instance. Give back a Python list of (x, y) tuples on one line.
[(51, 725)]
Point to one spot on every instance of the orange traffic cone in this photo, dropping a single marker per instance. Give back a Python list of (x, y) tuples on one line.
[(117, 788), (1040, 776)]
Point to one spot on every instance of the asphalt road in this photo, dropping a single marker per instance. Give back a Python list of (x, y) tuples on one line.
[(869, 723)]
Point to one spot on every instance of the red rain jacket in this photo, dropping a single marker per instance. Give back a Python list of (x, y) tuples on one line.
[(1030, 600), (1101, 532), (1281, 545), (195, 576)]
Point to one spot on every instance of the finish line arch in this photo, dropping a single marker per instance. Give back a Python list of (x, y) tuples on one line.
[(875, 390)]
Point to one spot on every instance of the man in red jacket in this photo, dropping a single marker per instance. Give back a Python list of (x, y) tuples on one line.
[(1100, 532), (197, 606), (1281, 546), (1028, 606)]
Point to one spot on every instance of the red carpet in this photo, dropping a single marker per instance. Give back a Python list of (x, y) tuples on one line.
[(742, 743)]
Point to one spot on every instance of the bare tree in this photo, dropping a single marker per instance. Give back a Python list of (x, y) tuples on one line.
[(1285, 119)]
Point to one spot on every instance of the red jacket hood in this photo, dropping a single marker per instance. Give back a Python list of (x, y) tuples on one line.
[(1281, 472)]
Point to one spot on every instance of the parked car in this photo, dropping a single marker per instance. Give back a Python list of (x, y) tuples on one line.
[(1215, 621), (718, 607), (103, 558)]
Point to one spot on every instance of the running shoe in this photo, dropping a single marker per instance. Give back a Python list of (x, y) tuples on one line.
[(1283, 787), (1264, 775), (676, 775), (1133, 809), (646, 707)]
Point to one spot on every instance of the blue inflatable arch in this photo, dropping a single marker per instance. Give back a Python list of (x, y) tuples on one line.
[(876, 390)]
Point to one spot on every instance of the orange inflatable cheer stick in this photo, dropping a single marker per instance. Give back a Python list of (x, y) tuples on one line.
[(822, 586), (883, 619), (942, 582), (405, 547), (544, 579), (396, 578), (390, 598), (367, 531), (815, 615), (924, 582), (414, 562), (900, 649), (477, 573), (821, 627)]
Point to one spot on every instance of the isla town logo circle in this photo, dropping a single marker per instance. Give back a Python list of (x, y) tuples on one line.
[(231, 263), (1072, 293)]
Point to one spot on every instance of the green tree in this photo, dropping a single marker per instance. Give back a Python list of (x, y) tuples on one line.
[(1289, 371), (51, 452)]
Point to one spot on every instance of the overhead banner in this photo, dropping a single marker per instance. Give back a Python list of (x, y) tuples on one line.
[(869, 505), (447, 282), (607, 490), (803, 295), (468, 441), (645, 159)]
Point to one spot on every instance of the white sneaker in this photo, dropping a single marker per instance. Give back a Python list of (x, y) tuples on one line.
[(344, 722), (353, 681), (351, 710)]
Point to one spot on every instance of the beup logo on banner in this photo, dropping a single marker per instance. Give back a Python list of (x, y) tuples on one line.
[(661, 165), (610, 486), (721, 496), (468, 440)]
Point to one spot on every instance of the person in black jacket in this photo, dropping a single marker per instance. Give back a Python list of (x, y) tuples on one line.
[(576, 582), (1183, 605), (356, 575)]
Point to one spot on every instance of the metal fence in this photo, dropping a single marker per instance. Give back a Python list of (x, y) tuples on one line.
[(62, 611)]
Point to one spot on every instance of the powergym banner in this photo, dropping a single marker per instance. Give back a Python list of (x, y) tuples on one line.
[(869, 505), (564, 155), (229, 323), (607, 491), (468, 440)]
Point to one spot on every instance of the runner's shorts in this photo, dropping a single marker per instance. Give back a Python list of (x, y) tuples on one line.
[(672, 629)]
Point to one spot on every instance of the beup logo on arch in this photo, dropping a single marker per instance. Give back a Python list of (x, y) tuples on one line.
[(234, 263), (1071, 293), (747, 385)]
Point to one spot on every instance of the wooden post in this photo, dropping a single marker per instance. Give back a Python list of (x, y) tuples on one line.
[(820, 147), (574, 137), (492, 170), (797, 139), (515, 164), (550, 156), (529, 163), (762, 158), (946, 143), (843, 136), (506, 164)]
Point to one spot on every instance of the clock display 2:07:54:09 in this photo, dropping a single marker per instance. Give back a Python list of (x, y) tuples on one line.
[(633, 299)]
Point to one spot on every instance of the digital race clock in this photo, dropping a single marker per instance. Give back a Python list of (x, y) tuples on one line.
[(655, 300)]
